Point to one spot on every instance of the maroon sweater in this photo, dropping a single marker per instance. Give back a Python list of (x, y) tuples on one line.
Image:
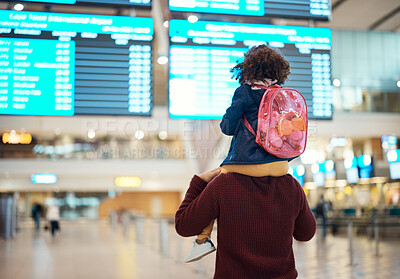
[(257, 220)]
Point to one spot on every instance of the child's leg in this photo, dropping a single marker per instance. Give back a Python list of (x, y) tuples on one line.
[(203, 245), (201, 238)]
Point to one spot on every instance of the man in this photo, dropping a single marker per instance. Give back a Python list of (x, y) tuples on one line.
[(37, 210), (257, 220), (322, 213)]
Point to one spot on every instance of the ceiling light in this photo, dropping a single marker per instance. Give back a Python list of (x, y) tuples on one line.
[(139, 134), (336, 82), (162, 60), (19, 7), (91, 134), (163, 135)]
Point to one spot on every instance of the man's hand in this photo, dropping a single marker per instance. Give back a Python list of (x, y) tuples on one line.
[(209, 175)]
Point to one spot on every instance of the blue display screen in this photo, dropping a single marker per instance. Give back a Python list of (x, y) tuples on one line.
[(75, 64), (105, 2), (307, 9), (202, 53), (237, 7), (36, 77)]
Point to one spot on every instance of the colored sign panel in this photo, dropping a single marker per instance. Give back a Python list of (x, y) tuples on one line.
[(46, 178)]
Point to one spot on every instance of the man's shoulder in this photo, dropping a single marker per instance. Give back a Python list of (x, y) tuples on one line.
[(232, 176), (223, 177)]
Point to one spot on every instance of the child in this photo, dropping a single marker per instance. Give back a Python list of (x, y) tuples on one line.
[(262, 66)]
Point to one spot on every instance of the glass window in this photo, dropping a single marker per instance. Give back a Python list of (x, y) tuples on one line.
[(393, 102), (357, 99)]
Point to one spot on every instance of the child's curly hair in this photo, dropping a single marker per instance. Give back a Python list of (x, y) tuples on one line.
[(261, 62)]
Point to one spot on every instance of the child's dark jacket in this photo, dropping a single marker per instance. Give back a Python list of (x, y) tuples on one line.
[(244, 150)]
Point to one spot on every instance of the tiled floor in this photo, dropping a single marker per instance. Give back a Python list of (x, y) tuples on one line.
[(95, 250)]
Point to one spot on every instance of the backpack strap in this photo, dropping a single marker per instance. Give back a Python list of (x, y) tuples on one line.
[(246, 122), (275, 85), (248, 126)]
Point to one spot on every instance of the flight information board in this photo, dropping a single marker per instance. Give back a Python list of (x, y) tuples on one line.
[(139, 3), (66, 64), (307, 9), (202, 53), (23, 65)]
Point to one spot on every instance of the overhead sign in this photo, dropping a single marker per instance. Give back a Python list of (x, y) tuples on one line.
[(15, 138), (47, 178), (128, 181)]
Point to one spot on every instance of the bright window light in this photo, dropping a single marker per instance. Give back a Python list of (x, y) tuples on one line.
[(300, 170), (329, 166), (367, 160), (315, 168)]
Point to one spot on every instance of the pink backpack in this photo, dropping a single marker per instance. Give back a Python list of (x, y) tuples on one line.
[(282, 122)]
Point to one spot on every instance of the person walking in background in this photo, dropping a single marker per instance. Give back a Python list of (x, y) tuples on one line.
[(37, 210), (322, 213), (53, 217)]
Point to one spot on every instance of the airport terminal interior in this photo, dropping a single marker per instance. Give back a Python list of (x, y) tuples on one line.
[(109, 107)]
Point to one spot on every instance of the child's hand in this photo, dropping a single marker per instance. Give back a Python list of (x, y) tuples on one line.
[(209, 175)]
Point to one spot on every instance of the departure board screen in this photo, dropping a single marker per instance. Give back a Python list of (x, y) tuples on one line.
[(307, 9), (144, 3), (23, 64), (66, 64), (202, 53)]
